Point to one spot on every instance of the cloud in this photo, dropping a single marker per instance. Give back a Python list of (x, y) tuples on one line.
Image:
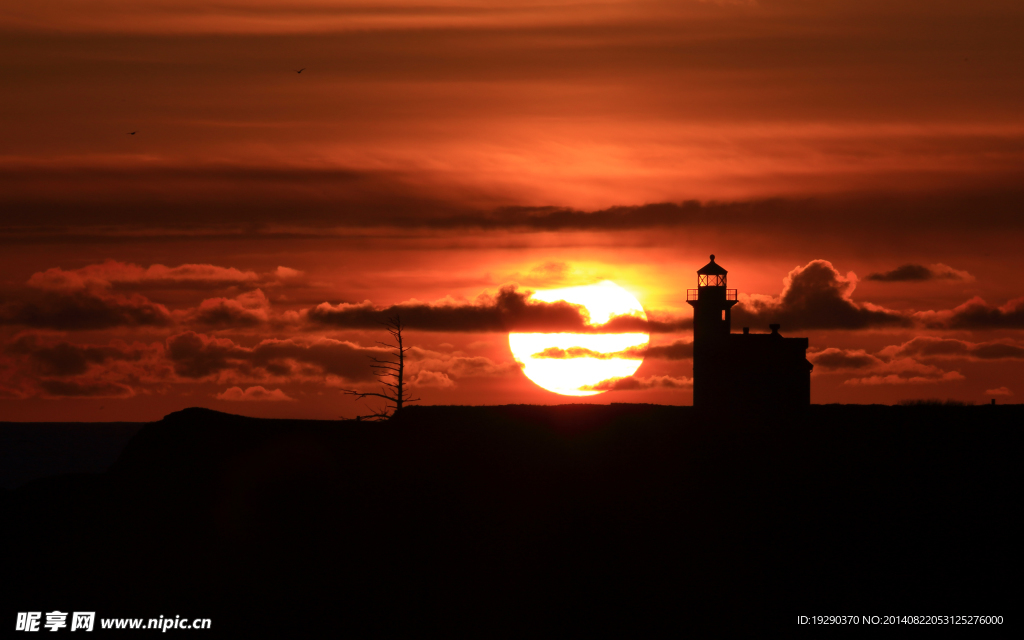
[(632, 383), (509, 310), (903, 359), (66, 359), (930, 347), (833, 359), (1001, 391), (549, 274), (253, 393), (246, 310), (457, 364), (976, 314), (432, 379), (39, 365), (443, 370), (120, 275), (198, 356), (76, 389), (896, 379), (905, 371), (920, 273), (615, 218), (815, 296), (84, 310), (556, 274), (8, 391), (286, 273), (657, 322), (88, 298), (239, 201), (678, 350), (582, 352), (240, 19), (889, 366)]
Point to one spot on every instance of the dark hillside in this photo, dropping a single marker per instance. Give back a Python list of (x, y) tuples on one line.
[(567, 519), (31, 450)]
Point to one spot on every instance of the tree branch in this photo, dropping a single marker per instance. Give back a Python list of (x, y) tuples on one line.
[(390, 374)]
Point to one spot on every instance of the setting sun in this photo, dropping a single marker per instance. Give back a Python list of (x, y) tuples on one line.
[(575, 364)]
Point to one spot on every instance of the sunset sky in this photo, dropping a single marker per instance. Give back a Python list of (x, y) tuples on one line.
[(857, 166)]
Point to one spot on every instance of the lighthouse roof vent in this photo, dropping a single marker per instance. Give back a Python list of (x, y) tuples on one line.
[(712, 268)]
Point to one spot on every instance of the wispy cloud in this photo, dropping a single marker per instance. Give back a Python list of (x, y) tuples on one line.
[(236, 394), (633, 383), (919, 273), (816, 296)]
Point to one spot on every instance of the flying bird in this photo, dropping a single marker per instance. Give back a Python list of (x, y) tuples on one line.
[(132, 133), (301, 70)]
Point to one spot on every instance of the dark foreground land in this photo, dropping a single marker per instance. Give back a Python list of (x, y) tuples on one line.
[(498, 520)]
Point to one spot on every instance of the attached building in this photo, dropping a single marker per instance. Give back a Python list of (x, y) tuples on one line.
[(741, 370)]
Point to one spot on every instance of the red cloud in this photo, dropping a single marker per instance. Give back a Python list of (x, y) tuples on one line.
[(816, 296), (78, 389), (581, 352), (83, 310), (33, 366), (893, 378), (113, 274), (891, 365), (836, 359), (197, 356), (253, 393), (246, 310), (432, 379), (631, 383), (920, 273), (930, 347), (509, 310), (678, 350), (66, 359), (976, 314), (457, 365)]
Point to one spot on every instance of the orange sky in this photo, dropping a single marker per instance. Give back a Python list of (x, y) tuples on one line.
[(437, 151)]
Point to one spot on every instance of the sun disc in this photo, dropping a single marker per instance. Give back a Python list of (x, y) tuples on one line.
[(576, 364)]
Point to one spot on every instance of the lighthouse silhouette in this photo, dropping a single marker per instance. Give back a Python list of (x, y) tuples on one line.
[(741, 370)]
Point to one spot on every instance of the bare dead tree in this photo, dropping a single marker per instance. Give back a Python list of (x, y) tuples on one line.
[(390, 371)]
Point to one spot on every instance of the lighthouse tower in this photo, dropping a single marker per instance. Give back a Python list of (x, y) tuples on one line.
[(712, 304), (741, 371)]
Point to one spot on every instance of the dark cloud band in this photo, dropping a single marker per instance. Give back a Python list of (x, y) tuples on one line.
[(919, 273)]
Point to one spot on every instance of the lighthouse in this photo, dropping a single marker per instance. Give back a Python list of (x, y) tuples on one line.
[(741, 370)]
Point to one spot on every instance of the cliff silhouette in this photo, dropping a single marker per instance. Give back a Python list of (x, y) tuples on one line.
[(500, 520)]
